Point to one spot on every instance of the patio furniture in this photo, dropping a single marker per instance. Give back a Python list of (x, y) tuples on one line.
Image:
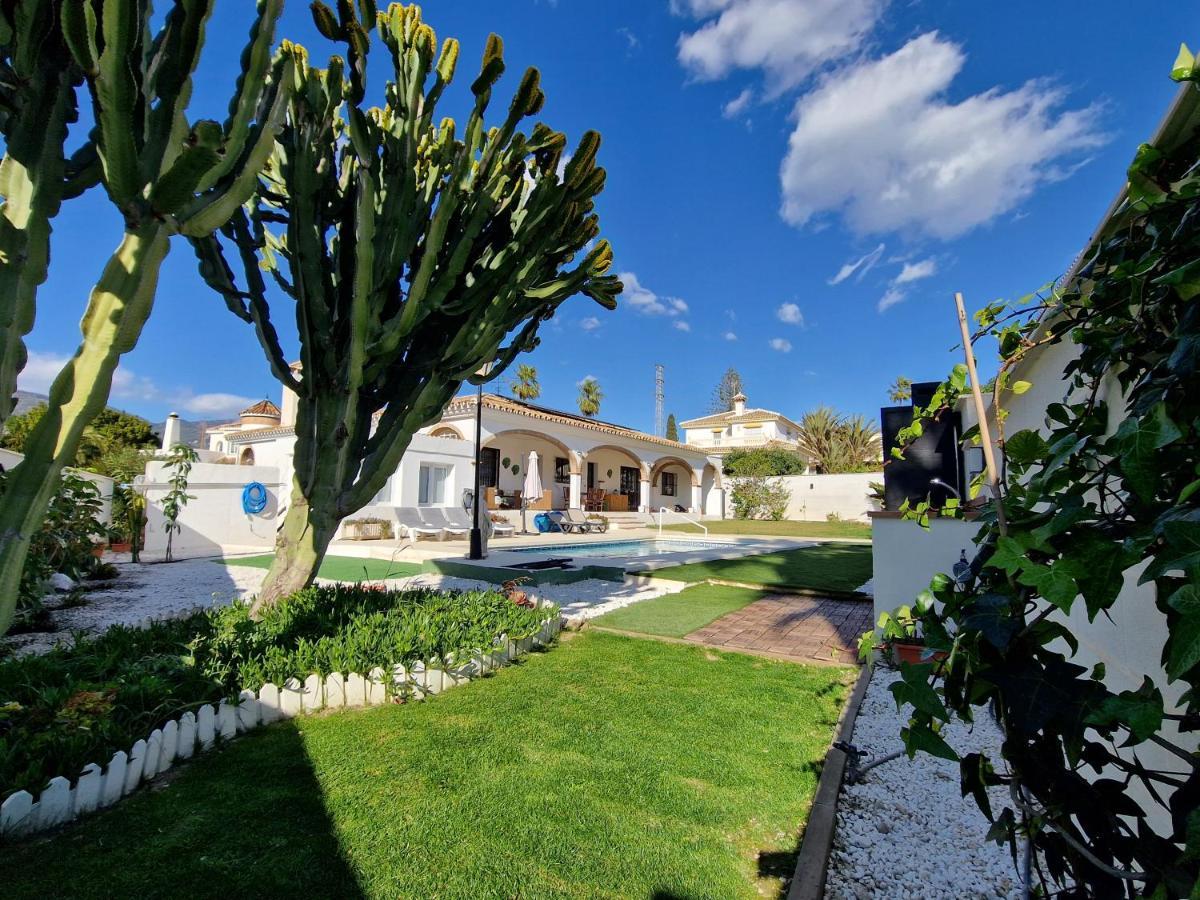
[(545, 502), (594, 500), (415, 526), (616, 503), (573, 520), (502, 529), (447, 523)]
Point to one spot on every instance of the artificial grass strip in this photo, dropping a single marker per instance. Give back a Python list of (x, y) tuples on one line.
[(784, 528), (610, 767), (839, 568), (339, 568), (676, 615)]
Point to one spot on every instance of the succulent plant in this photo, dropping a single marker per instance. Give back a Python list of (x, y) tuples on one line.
[(416, 252)]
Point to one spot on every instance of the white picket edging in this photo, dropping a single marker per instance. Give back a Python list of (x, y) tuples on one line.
[(99, 788)]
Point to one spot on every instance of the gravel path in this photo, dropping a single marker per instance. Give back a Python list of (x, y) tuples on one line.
[(157, 590), (907, 832)]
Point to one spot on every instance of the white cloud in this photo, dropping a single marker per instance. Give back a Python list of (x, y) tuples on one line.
[(631, 39), (862, 266), (681, 325), (878, 142), (675, 306), (916, 271), (730, 336), (645, 301), (42, 368), (790, 313), (591, 323), (738, 104), (891, 297), (783, 345), (787, 39)]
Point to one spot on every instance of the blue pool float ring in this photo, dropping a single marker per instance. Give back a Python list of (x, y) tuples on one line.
[(254, 498)]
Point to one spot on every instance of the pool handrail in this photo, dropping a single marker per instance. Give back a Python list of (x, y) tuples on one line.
[(662, 511)]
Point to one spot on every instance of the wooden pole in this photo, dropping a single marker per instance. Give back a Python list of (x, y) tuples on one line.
[(985, 436)]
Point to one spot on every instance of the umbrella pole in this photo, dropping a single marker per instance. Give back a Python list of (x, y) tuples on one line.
[(524, 506)]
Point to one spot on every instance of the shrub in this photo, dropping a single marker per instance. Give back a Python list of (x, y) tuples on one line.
[(758, 497), (764, 461), (72, 706)]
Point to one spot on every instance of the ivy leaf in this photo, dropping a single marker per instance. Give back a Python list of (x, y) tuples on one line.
[(1185, 280), (1101, 567), (1020, 387), (975, 774), (958, 377), (1137, 440), (916, 690), (922, 738), (991, 615), (1055, 583), (1182, 550), (1026, 447), (1140, 710), (1183, 645)]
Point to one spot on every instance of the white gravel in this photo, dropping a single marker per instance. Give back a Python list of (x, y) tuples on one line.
[(161, 590), (907, 832)]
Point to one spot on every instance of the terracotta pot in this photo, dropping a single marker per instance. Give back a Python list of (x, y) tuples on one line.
[(120, 546), (915, 654)]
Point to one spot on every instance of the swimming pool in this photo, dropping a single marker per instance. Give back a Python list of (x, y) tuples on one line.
[(638, 548)]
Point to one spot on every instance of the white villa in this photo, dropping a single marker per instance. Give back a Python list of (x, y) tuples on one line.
[(741, 428), (585, 463)]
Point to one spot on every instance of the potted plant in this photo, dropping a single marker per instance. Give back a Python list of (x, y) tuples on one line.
[(899, 639), (368, 529), (599, 520)]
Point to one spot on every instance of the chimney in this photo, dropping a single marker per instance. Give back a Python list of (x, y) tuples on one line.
[(172, 432), (739, 403), (289, 401)]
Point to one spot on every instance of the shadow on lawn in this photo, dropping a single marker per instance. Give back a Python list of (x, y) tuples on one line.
[(247, 820)]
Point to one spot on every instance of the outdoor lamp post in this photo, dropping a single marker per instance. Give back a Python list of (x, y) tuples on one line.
[(476, 551)]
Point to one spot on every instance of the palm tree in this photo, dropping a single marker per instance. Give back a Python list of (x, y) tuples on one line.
[(835, 443), (525, 386), (900, 390), (590, 396)]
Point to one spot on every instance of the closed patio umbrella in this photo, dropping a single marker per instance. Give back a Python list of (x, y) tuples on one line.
[(533, 486)]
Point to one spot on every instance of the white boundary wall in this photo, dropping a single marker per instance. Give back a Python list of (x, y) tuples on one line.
[(103, 483), (96, 787), (214, 518), (815, 497)]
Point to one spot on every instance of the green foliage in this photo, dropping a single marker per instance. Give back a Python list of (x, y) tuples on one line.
[(727, 388), (590, 396), (672, 428), (63, 543), (759, 497), (413, 251), (525, 386), (764, 461), (108, 445), (72, 706), (1108, 485), (901, 390), (836, 444), (179, 464)]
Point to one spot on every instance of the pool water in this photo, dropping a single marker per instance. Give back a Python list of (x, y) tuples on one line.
[(644, 547)]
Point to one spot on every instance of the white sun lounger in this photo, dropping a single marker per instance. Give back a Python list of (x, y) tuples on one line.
[(447, 522), (415, 526)]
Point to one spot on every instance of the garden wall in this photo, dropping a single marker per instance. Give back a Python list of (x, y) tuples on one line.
[(103, 483), (815, 497), (213, 519)]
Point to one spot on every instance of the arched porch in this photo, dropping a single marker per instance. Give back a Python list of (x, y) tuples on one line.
[(674, 483), (505, 459)]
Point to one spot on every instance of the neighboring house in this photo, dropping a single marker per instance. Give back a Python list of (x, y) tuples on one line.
[(260, 416), (741, 428)]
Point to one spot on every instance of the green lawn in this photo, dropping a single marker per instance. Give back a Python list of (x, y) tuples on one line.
[(674, 615), (340, 568), (609, 767), (827, 567), (781, 529)]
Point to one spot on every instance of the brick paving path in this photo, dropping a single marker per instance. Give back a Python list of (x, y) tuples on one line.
[(808, 629)]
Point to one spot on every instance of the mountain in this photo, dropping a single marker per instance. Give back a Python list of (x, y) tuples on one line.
[(27, 400)]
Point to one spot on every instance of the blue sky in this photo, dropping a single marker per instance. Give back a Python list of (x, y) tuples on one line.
[(757, 150)]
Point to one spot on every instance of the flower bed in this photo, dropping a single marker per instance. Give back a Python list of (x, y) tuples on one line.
[(64, 710)]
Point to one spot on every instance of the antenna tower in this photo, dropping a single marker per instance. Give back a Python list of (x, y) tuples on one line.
[(659, 424)]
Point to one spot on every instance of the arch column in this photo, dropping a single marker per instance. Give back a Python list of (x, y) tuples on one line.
[(697, 499), (576, 491), (645, 492)]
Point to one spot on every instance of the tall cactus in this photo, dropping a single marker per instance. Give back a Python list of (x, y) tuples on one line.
[(38, 85), (166, 176), (413, 251)]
